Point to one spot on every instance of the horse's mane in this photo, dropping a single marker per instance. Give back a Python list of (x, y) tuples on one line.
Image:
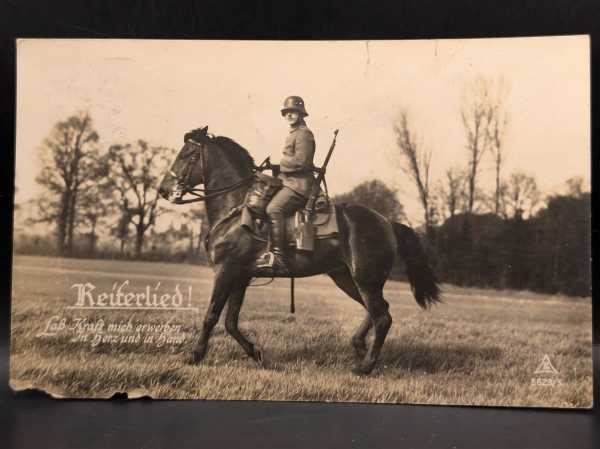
[(234, 149), (238, 154)]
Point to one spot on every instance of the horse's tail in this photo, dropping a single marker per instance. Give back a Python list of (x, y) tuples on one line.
[(422, 280)]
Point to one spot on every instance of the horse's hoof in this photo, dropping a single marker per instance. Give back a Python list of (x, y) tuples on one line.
[(362, 370), (196, 357), (259, 357)]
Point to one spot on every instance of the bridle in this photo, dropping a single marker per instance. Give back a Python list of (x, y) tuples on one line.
[(184, 187)]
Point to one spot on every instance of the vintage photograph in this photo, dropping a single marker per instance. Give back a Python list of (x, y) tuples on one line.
[(336, 221)]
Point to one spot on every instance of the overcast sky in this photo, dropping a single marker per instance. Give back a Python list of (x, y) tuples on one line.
[(158, 90)]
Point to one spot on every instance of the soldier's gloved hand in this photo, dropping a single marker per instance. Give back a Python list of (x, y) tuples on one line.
[(265, 165)]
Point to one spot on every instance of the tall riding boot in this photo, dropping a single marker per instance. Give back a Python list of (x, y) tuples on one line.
[(277, 239), (273, 261)]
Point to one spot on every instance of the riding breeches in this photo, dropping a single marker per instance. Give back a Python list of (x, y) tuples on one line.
[(284, 203)]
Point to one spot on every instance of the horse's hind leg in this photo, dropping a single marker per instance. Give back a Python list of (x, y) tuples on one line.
[(382, 321), (359, 339), (343, 279), (234, 305)]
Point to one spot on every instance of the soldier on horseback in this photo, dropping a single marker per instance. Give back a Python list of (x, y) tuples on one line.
[(296, 171), (359, 258)]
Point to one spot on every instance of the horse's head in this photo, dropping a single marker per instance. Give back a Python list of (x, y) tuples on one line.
[(218, 162), (187, 170)]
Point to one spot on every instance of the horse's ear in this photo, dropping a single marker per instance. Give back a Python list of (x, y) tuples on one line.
[(196, 134)]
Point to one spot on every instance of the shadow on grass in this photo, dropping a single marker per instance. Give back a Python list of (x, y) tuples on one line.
[(436, 358), (400, 354)]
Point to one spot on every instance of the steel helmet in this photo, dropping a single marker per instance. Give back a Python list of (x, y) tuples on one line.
[(294, 103)]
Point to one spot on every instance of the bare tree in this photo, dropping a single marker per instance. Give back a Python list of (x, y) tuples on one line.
[(134, 173), (575, 186), (497, 120), (69, 160), (121, 227), (475, 119), (96, 208), (418, 164), (451, 192), (520, 196)]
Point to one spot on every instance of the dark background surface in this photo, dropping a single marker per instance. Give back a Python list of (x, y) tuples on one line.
[(32, 420)]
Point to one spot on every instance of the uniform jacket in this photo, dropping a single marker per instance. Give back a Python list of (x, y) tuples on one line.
[(297, 160)]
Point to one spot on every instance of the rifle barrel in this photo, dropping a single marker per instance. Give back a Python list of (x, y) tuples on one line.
[(329, 153), (313, 197)]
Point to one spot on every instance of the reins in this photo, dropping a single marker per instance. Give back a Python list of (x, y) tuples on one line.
[(202, 194)]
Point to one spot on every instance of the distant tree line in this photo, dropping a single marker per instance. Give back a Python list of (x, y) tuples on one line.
[(507, 238), (548, 251)]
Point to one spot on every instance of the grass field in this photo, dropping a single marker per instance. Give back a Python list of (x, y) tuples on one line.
[(480, 347)]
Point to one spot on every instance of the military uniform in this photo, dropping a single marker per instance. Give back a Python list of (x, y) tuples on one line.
[(296, 172), (297, 161), (296, 168)]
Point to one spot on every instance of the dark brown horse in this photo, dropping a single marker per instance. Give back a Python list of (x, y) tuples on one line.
[(359, 261)]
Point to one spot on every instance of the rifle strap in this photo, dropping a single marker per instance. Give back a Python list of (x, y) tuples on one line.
[(326, 190)]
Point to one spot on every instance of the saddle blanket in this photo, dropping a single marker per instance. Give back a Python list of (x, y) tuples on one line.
[(326, 225)]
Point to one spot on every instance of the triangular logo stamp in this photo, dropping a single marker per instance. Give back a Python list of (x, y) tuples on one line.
[(545, 367)]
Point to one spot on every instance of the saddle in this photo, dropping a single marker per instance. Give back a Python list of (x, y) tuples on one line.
[(254, 220), (325, 224)]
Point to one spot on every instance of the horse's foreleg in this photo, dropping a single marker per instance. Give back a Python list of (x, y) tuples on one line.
[(224, 282), (234, 305)]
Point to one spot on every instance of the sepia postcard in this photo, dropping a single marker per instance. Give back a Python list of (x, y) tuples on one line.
[(338, 221)]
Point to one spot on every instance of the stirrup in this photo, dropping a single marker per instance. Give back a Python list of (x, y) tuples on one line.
[(272, 264), (266, 260)]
